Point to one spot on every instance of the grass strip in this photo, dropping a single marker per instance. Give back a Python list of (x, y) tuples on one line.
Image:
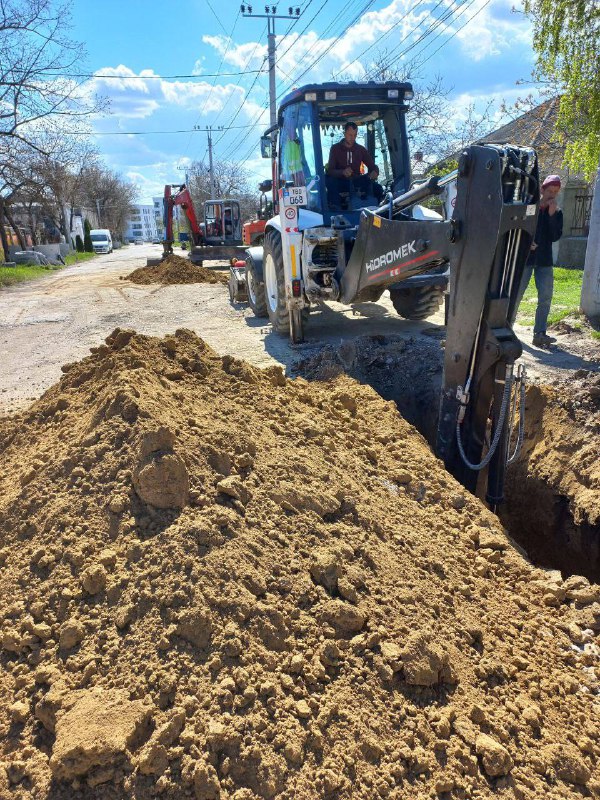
[(9, 276), (565, 298)]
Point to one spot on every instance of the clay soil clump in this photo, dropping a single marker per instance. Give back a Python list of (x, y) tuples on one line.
[(175, 269), (219, 583)]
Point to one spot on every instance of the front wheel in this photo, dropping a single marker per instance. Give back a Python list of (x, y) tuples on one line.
[(417, 302), (277, 309), (256, 292)]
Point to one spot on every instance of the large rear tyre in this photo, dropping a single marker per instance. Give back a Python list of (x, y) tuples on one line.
[(275, 288), (256, 292), (417, 302)]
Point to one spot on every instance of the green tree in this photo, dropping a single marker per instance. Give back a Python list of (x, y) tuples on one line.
[(87, 239), (566, 41), (79, 244)]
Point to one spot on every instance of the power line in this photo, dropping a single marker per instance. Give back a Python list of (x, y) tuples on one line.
[(362, 11), (236, 143), (455, 32), (147, 77), (247, 71), (306, 27), (210, 91), (387, 33), (216, 17), (148, 133), (229, 39), (235, 116), (444, 18)]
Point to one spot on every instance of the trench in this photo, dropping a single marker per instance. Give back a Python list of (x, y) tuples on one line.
[(535, 512)]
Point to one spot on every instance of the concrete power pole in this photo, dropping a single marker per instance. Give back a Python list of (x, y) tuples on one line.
[(271, 15), (590, 288), (271, 48), (210, 167)]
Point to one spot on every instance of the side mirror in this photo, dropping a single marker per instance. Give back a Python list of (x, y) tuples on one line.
[(266, 147)]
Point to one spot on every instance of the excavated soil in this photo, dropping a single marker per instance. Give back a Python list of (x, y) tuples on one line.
[(175, 269), (553, 489), (221, 583)]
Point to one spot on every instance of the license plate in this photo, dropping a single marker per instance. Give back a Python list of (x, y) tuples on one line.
[(295, 196)]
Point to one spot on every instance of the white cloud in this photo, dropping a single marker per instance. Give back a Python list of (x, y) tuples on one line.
[(246, 56), (493, 29), (138, 95)]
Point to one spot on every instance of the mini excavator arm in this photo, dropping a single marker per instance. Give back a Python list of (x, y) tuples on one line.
[(486, 244), (183, 198)]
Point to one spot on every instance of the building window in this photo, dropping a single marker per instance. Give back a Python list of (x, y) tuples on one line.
[(582, 214)]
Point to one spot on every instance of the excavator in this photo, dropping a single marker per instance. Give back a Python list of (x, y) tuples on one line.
[(218, 237), (253, 231), (350, 241)]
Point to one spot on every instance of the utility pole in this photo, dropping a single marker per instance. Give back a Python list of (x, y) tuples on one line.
[(208, 130), (590, 288), (211, 169), (271, 15), (98, 210)]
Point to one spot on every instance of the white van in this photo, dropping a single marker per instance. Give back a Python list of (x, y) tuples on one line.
[(101, 240)]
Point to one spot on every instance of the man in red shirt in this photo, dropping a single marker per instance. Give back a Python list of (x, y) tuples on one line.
[(344, 169)]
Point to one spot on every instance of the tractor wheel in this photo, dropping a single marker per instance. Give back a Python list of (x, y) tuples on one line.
[(256, 292), (275, 289), (232, 288), (418, 302), (373, 295)]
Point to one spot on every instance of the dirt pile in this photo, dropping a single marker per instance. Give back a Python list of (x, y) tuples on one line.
[(220, 583), (389, 365), (175, 269)]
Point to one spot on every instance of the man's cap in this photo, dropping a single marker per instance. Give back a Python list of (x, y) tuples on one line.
[(551, 180)]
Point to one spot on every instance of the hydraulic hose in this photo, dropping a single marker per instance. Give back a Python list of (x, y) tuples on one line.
[(521, 431), (497, 433)]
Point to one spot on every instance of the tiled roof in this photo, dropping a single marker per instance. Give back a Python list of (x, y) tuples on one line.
[(535, 129)]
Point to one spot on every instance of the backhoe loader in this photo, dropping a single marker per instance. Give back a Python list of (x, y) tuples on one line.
[(339, 240)]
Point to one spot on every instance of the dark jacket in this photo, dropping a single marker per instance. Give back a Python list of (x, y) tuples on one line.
[(341, 157), (549, 229)]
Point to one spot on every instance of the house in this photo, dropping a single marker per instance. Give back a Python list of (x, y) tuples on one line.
[(536, 128)]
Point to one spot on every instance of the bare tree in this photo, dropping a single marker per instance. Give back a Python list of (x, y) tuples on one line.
[(433, 125), (110, 195), (231, 182), (59, 182), (40, 92)]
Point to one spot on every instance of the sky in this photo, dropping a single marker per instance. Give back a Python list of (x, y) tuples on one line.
[(480, 48)]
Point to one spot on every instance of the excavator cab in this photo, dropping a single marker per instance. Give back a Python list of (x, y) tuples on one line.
[(222, 222), (312, 119)]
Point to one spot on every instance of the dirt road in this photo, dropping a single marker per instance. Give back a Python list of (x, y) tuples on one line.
[(53, 321)]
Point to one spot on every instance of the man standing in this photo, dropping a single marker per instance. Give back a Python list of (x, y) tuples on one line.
[(540, 261), (344, 169)]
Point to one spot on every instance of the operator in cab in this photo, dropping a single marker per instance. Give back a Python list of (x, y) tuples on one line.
[(344, 170)]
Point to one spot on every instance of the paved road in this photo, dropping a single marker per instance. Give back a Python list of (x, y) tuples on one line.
[(49, 322)]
